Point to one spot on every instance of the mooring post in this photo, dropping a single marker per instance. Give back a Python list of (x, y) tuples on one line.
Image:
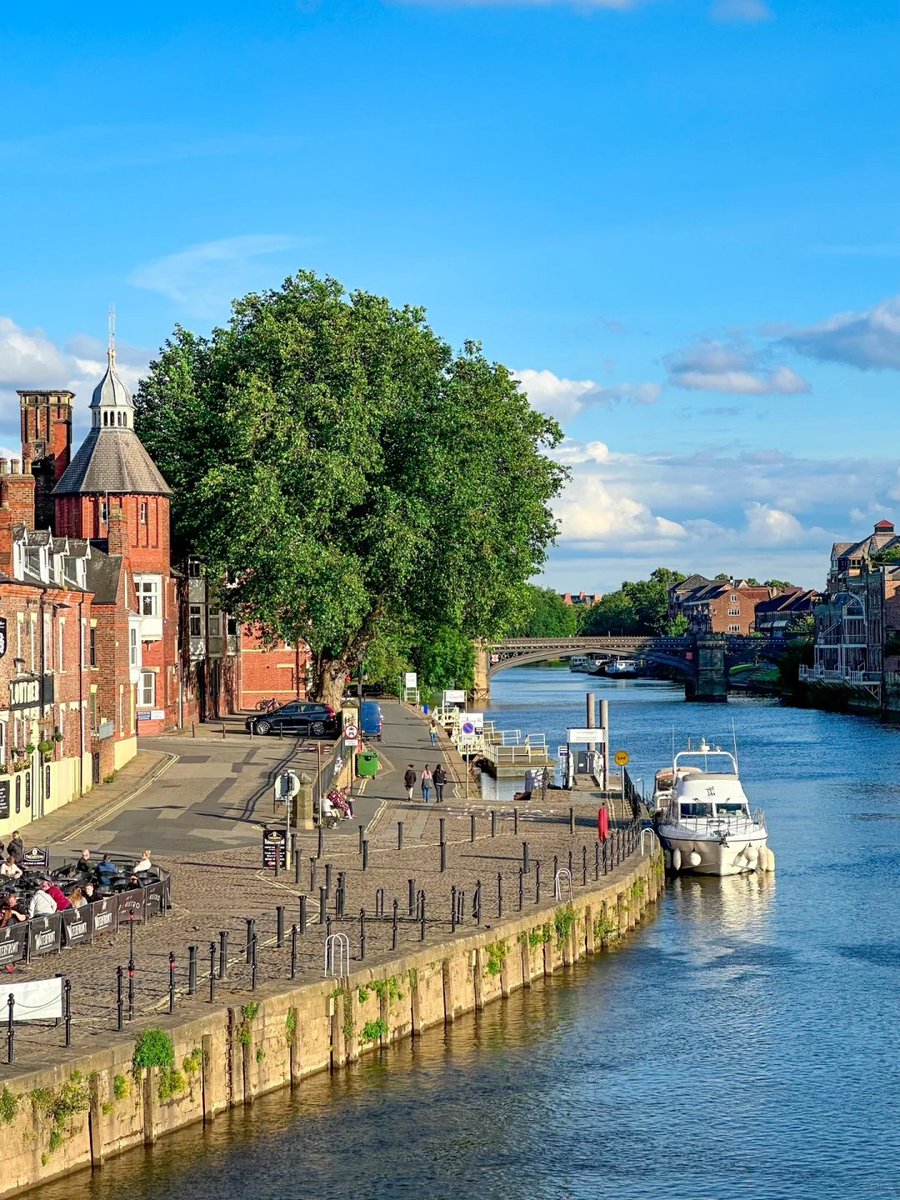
[(399, 835), (526, 859)]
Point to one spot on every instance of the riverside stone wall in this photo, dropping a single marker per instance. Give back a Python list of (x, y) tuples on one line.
[(91, 1107)]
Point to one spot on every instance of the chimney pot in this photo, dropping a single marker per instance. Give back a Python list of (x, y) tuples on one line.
[(14, 466)]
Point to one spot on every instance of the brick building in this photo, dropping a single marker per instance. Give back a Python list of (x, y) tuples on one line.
[(717, 605)]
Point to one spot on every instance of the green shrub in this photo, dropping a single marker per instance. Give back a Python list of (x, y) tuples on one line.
[(9, 1106), (192, 1062), (373, 1031), (290, 1025), (121, 1087), (154, 1048), (564, 921), (171, 1084), (496, 957)]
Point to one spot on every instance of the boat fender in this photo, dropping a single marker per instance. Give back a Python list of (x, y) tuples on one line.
[(751, 853), (770, 862), (667, 859), (695, 859), (676, 859)]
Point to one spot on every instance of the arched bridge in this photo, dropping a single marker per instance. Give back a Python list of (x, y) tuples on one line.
[(702, 660)]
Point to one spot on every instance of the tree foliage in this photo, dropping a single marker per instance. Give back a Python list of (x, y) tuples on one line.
[(342, 466), (636, 608), (548, 615)]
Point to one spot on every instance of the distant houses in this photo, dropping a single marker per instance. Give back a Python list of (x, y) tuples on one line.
[(581, 599), (737, 607)]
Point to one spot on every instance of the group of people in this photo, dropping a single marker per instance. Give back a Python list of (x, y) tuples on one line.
[(88, 881), (428, 779)]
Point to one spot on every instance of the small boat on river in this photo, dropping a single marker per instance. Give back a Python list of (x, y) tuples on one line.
[(703, 816)]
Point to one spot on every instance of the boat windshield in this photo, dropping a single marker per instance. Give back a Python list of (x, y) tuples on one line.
[(705, 760), (731, 808), (696, 808)]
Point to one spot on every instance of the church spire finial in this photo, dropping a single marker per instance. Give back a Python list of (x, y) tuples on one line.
[(111, 348)]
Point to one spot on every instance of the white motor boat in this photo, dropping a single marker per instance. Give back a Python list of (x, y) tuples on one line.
[(621, 666), (703, 817)]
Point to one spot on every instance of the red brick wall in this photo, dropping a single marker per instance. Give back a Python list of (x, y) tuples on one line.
[(264, 674)]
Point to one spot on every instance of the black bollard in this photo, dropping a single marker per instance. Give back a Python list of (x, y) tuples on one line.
[(321, 844), (279, 926), (472, 831), (313, 881), (476, 903), (341, 898), (223, 953), (515, 821), (493, 822), (323, 905), (571, 820), (570, 862), (212, 972), (361, 843), (526, 858), (10, 1029), (171, 981), (395, 923), (411, 896), (521, 889), (442, 821), (251, 934), (422, 927), (67, 1010), (302, 915), (537, 881), (499, 894), (584, 866), (443, 849), (362, 934), (328, 880), (192, 970), (365, 855), (555, 869), (293, 952), (120, 998), (327, 928), (399, 835), (453, 909), (297, 867)]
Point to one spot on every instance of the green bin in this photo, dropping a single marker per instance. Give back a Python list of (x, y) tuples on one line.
[(367, 764)]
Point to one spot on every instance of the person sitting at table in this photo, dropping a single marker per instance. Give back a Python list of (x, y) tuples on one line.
[(84, 866), (11, 913), (89, 894), (16, 847), (134, 881), (42, 903), (62, 900), (10, 869), (77, 898), (145, 864), (106, 869)]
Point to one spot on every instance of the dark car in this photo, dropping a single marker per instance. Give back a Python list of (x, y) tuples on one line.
[(300, 716), (371, 720)]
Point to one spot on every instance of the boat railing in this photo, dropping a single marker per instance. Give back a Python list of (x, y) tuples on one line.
[(723, 824)]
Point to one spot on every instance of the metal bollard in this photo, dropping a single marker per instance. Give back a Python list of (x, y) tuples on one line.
[(515, 821), (443, 849), (399, 835), (212, 972), (493, 822), (313, 881), (120, 998), (320, 849), (323, 904), (472, 830), (499, 895), (422, 933), (476, 903), (537, 881), (361, 843), (584, 866), (394, 923), (442, 822), (521, 889), (328, 880), (570, 862), (293, 952), (171, 981), (453, 909), (192, 970), (297, 867), (251, 936), (223, 953), (365, 855), (341, 898), (302, 915), (328, 927), (411, 896), (526, 858), (11, 1029), (460, 907), (67, 1010), (362, 934), (555, 866), (279, 926), (571, 820)]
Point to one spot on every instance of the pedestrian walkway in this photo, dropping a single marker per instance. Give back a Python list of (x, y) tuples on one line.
[(405, 740)]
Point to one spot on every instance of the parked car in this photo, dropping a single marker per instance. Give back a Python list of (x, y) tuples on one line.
[(371, 720), (299, 716)]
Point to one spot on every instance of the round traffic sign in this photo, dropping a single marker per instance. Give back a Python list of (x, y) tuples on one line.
[(468, 727), (351, 733), (622, 758)]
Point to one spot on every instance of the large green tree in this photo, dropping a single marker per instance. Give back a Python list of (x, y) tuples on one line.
[(340, 465), (641, 607), (548, 615)]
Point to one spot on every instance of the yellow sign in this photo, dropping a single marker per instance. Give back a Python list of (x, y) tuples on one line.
[(622, 759)]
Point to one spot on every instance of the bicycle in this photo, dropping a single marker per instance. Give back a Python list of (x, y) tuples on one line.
[(267, 705)]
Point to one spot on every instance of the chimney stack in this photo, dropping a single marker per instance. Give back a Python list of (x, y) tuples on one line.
[(117, 533), (17, 494)]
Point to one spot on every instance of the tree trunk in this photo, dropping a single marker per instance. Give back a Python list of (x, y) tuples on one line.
[(330, 680)]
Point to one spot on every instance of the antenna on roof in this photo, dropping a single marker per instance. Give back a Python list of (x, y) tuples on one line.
[(111, 348)]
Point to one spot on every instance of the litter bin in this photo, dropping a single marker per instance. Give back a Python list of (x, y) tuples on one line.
[(367, 764)]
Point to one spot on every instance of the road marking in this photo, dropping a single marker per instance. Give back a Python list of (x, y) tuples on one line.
[(75, 834)]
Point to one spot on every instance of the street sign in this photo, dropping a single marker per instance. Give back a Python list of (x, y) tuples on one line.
[(475, 720), (589, 736), (351, 735), (454, 696), (287, 785), (467, 727), (622, 758), (410, 679), (274, 849)]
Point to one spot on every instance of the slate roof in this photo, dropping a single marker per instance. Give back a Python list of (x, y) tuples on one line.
[(112, 460), (103, 572)]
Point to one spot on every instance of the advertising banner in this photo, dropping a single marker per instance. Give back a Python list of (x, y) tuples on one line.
[(36, 1000), (45, 935), (131, 905), (13, 943), (156, 899), (77, 925), (274, 849), (105, 916)]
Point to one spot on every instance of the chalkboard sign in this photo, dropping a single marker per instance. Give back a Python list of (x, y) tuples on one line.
[(35, 858), (274, 849), (4, 799)]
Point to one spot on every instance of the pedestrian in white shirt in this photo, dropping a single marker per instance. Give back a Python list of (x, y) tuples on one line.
[(42, 904), (145, 864)]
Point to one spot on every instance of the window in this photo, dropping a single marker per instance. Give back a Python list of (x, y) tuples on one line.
[(147, 689), (195, 568), (104, 512), (143, 512), (215, 624), (735, 599), (196, 620), (734, 629), (148, 594), (133, 647), (232, 627), (32, 636), (93, 645), (48, 643), (95, 720), (734, 612)]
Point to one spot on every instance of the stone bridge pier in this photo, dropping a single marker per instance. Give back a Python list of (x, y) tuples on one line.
[(710, 681)]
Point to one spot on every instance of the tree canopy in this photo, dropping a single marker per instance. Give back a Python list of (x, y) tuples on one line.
[(548, 615), (341, 466), (636, 608)]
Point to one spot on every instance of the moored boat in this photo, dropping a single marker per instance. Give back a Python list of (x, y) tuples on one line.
[(703, 817)]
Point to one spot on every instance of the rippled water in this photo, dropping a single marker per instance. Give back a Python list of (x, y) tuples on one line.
[(743, 1043)]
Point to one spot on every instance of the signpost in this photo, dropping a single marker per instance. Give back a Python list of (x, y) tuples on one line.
[(577, 736), (622, 760), (274, 849), (351, 735)]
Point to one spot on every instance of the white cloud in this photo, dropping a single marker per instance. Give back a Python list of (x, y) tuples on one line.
[(566, 398), (204, 279), (748, 12), (771, 526), (28, 358), (731, 368), (869, 339)]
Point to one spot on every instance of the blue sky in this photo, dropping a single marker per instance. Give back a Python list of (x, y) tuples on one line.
[(676, 220)]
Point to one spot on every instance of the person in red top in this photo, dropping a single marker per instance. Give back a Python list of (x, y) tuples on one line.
[(59, 896)]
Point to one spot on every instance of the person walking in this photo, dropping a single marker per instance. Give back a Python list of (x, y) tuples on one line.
[(426, 783), (439, 778), (15, 847), (433, 732), (409, 781)]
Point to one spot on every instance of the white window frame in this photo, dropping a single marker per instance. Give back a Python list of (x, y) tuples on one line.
[(144, 512), (147, 678), (195, 614), (149, 588), (214, 624), (134, 647)]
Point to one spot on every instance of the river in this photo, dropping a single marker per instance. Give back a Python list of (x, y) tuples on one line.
[(742, 1044)]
